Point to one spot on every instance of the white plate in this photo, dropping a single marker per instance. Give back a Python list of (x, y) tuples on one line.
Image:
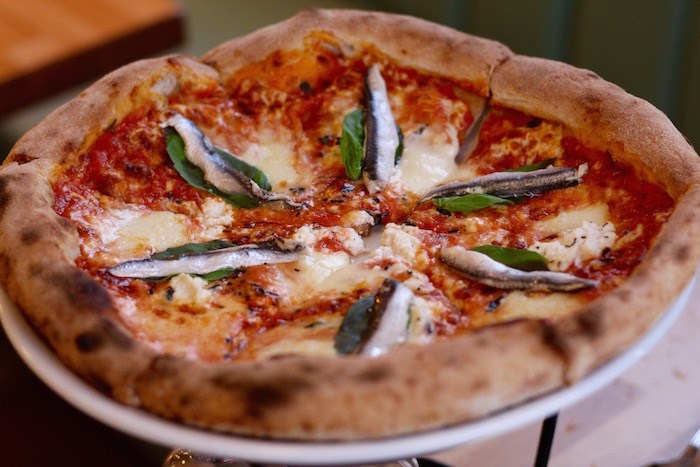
[(141, 424)]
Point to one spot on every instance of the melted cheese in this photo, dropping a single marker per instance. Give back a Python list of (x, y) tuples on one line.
[(404, 244), (526, 305), (189, 290), (568, 220), (576, 245), (540, 143), (131, 232), (311, 336), (428, 158), (274, 155), (216, 216)]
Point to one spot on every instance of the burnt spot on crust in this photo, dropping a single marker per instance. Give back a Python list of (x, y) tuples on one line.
[(30, 235), (99, 383), (262, 396), (375, 374), (69, 147), (4, 194), (478, 385), (116, 336), (4, 266), (681, 253), (87, 342), (592, 104), (22, 158), (591, 322), (265, 397), (624, 295), (105, 333), (551, 338), (163, 365), (82, 290)]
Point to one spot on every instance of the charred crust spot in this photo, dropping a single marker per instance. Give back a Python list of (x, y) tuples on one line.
[(163, 365), (624, 295), (681, 253), (83, 291), (66, 223), (268, 396), (480, 384), (22, 158), (590, 322), (551, 338), (262, 397), (88, 342), (99, 383), (116, 336), (375, 374), (35, 269), (30, 235), (4, 195), (68, 147), (4, 265), (105, 332), (308, 367), (590, 74)]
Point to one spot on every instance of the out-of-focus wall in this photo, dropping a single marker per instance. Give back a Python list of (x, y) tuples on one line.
[(650, 48)]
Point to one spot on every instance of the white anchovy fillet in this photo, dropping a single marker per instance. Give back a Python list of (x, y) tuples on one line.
[(481, 268), (200, 151), (471, 139), (513, 184), (381, 136), (390, 318), (279, 251)]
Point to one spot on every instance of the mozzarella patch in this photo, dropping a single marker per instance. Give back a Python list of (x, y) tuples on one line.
[(189, 290), (274, 155), (428, 158), (567, 220), (577, 245), (133, 232)]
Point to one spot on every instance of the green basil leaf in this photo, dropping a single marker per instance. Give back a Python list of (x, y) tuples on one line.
[(469, 203), (194, 249), (250, 171), (351, 143), (525, 260), (399, 148), (536, 166), (193, 175), (216, 275), (354, 326), (191, 249)]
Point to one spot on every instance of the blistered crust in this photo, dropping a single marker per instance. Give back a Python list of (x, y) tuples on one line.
[(614, 322), (410, 41), (412, 388), (600, 114), (70, 309)]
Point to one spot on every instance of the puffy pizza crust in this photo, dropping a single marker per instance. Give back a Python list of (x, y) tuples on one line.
[(409, 41), (413, 387), (604, 116)]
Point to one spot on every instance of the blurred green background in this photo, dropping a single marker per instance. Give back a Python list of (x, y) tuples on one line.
[(649, 47)]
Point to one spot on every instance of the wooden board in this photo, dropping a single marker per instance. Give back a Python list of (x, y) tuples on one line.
[(47, 45)]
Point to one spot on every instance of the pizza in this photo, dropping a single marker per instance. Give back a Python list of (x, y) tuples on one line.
[(347, 225)]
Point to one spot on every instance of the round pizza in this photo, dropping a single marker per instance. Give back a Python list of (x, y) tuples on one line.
[(346, 225)]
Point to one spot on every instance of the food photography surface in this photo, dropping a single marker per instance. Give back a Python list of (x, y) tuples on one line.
[(346, 226)]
